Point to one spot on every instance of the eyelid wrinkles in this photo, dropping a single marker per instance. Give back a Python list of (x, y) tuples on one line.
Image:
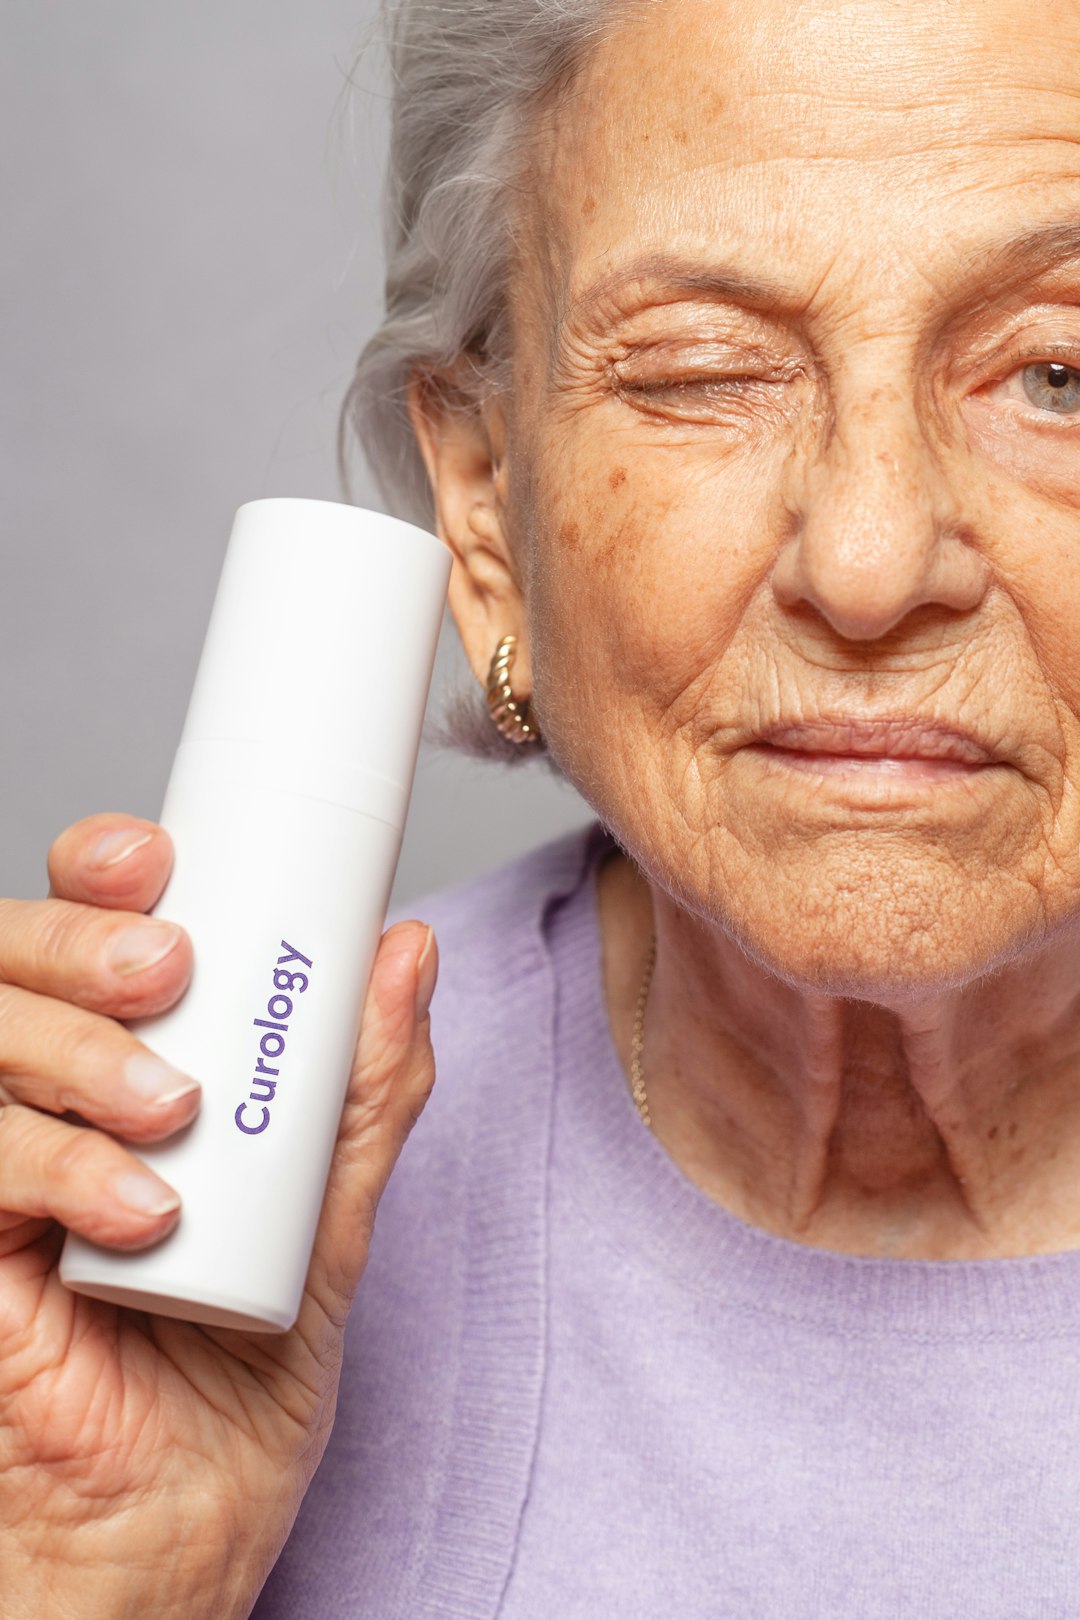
[(704, 349), (677, 362), (707, 342), (607, 325)]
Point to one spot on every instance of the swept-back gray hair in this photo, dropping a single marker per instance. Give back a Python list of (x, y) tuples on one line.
[(465, 74)]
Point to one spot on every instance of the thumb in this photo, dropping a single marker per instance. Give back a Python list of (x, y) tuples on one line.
[(392, 1076)]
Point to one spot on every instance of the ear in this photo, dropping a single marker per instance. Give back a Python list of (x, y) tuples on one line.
[(463, 444)]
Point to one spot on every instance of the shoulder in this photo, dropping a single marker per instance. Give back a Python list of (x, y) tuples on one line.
[(494, 991), (494, 974)]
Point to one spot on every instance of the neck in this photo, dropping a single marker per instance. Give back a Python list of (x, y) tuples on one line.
[(946, 1129)]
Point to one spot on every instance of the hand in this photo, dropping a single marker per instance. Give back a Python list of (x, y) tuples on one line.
[(148, 1465)]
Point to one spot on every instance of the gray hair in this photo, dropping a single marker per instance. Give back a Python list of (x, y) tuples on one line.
[(465, 75)]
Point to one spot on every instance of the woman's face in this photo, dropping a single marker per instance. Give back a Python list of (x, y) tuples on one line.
[(795, 442)]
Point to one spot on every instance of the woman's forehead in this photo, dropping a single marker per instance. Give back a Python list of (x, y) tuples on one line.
[(817, 128), (846, 71)]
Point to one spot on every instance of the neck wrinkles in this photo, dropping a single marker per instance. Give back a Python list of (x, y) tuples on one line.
[(948, 1128)]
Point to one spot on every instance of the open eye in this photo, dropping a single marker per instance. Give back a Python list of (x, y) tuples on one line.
[(1042, 387), (1050, 385)]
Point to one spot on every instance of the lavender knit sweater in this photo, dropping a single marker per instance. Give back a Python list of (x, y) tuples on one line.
[(576, 1389)]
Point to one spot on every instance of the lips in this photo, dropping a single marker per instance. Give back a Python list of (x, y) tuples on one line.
[(886, 738)]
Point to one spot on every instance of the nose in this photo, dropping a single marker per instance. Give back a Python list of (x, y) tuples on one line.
[(876, 532)]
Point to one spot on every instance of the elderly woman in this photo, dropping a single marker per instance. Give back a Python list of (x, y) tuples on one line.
[(733, 346)]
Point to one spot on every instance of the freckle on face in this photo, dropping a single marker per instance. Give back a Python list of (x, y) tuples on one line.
[(610, 549), (616, 476)]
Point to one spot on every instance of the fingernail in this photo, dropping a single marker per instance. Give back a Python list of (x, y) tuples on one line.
[(425, 975), (140, 945), (154, 1080), (114, 847), (144, 1193)]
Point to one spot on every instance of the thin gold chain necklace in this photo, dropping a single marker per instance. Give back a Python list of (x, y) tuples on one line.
[(637, 1078)]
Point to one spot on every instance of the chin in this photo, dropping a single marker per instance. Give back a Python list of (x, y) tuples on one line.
[(896, 928), (891, 970)]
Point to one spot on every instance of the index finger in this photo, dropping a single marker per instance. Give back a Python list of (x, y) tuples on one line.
[(110, 859)]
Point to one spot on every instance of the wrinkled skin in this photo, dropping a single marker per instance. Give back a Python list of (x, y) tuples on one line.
[(842, 484)]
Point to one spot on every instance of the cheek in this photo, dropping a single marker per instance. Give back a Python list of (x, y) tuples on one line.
[(646, 563), (1028, 520), (1043, 460)]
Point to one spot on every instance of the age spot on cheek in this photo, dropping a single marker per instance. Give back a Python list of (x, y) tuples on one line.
[(570, 535), (588, 207), (609, 552), (616, 476)]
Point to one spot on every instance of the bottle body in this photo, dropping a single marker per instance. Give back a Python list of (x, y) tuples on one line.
[(283, 891)]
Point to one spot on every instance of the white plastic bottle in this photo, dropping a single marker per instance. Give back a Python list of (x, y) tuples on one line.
[(286, 806)]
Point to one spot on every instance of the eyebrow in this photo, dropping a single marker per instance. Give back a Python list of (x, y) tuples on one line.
[(1045, 247)]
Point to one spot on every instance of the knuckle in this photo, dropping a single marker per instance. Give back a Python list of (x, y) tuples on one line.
[(59, 942), (74, 1160), (414, 1107), (12, 1129), (20, 1146), (415, 1095), (84, 1046), (41, 1037)]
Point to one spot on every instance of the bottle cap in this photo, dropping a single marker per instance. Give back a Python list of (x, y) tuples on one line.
[(318, 656)]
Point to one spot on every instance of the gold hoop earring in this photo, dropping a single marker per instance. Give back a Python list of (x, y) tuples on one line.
[(511, 715)]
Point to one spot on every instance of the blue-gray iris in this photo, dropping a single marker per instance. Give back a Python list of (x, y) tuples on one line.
[(1053, 386)]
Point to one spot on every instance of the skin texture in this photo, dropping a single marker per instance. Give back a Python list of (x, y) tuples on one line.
[(835, 486)]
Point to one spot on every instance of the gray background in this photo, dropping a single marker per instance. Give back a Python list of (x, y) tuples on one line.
[(191, 263)]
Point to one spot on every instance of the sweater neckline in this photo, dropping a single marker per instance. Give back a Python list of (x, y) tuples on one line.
[(650, 1215)]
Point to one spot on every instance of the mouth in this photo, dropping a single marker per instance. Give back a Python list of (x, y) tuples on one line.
[(905, 747)]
